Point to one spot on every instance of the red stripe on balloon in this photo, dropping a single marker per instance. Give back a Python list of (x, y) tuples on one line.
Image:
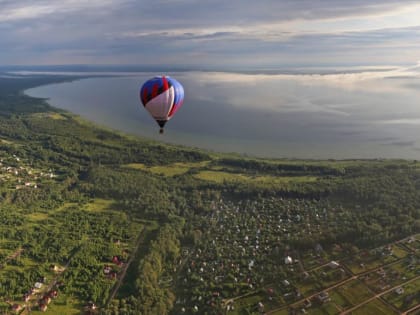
[(155, 90), (144, 96), (165, 83)]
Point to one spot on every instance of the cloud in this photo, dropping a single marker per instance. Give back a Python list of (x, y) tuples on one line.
[(14, 11), (402, 143), (275, 29), (400, 121), (235, 33), (349, 79)]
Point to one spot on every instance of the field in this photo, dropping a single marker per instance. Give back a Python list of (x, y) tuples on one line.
[(374, 307), (212, 172)]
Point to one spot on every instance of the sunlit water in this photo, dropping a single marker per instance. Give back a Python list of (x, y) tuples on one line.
[(350, 115)]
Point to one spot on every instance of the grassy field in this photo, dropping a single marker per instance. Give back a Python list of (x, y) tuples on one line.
[(350, 294), (374, 307), (99, 205), (325, 309), (63, 305), (169, 170), (50, 115), (222, 176), (218, 174), (37, 216)]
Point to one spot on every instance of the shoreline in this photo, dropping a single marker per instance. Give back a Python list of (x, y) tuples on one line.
[(211, 143)]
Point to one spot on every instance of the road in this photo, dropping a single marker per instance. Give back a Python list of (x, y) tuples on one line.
[(412, 310), (124, 271), (12, 256)]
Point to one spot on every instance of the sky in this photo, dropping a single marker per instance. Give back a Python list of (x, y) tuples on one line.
[(219, 34)]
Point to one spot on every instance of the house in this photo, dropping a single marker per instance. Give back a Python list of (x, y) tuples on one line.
[(26, 297), (53, 294), (399, 290), (46, 300), (333, 264), (323, 297), (116, 260), (381, 272), (260, 307), (318, 248), (112, 275), (16, 308), (38, 285), (288, 260), (91, 306)]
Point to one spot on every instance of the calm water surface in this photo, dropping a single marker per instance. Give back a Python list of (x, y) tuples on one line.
[(349, 115)]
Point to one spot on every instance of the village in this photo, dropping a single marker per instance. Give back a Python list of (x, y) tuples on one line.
[(46, 289), (40, 252), (248, 262), (16, 173)]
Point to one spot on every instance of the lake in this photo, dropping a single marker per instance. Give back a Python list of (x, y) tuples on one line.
[(362, 114)]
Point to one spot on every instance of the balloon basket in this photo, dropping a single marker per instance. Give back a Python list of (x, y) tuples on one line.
[(161, 131)]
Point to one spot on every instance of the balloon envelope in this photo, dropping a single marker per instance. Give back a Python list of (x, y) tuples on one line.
[(162, 97)]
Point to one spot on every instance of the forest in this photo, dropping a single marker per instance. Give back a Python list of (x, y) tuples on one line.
[(95, 221)]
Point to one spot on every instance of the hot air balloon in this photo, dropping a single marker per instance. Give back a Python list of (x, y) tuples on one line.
[(162, 97)]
